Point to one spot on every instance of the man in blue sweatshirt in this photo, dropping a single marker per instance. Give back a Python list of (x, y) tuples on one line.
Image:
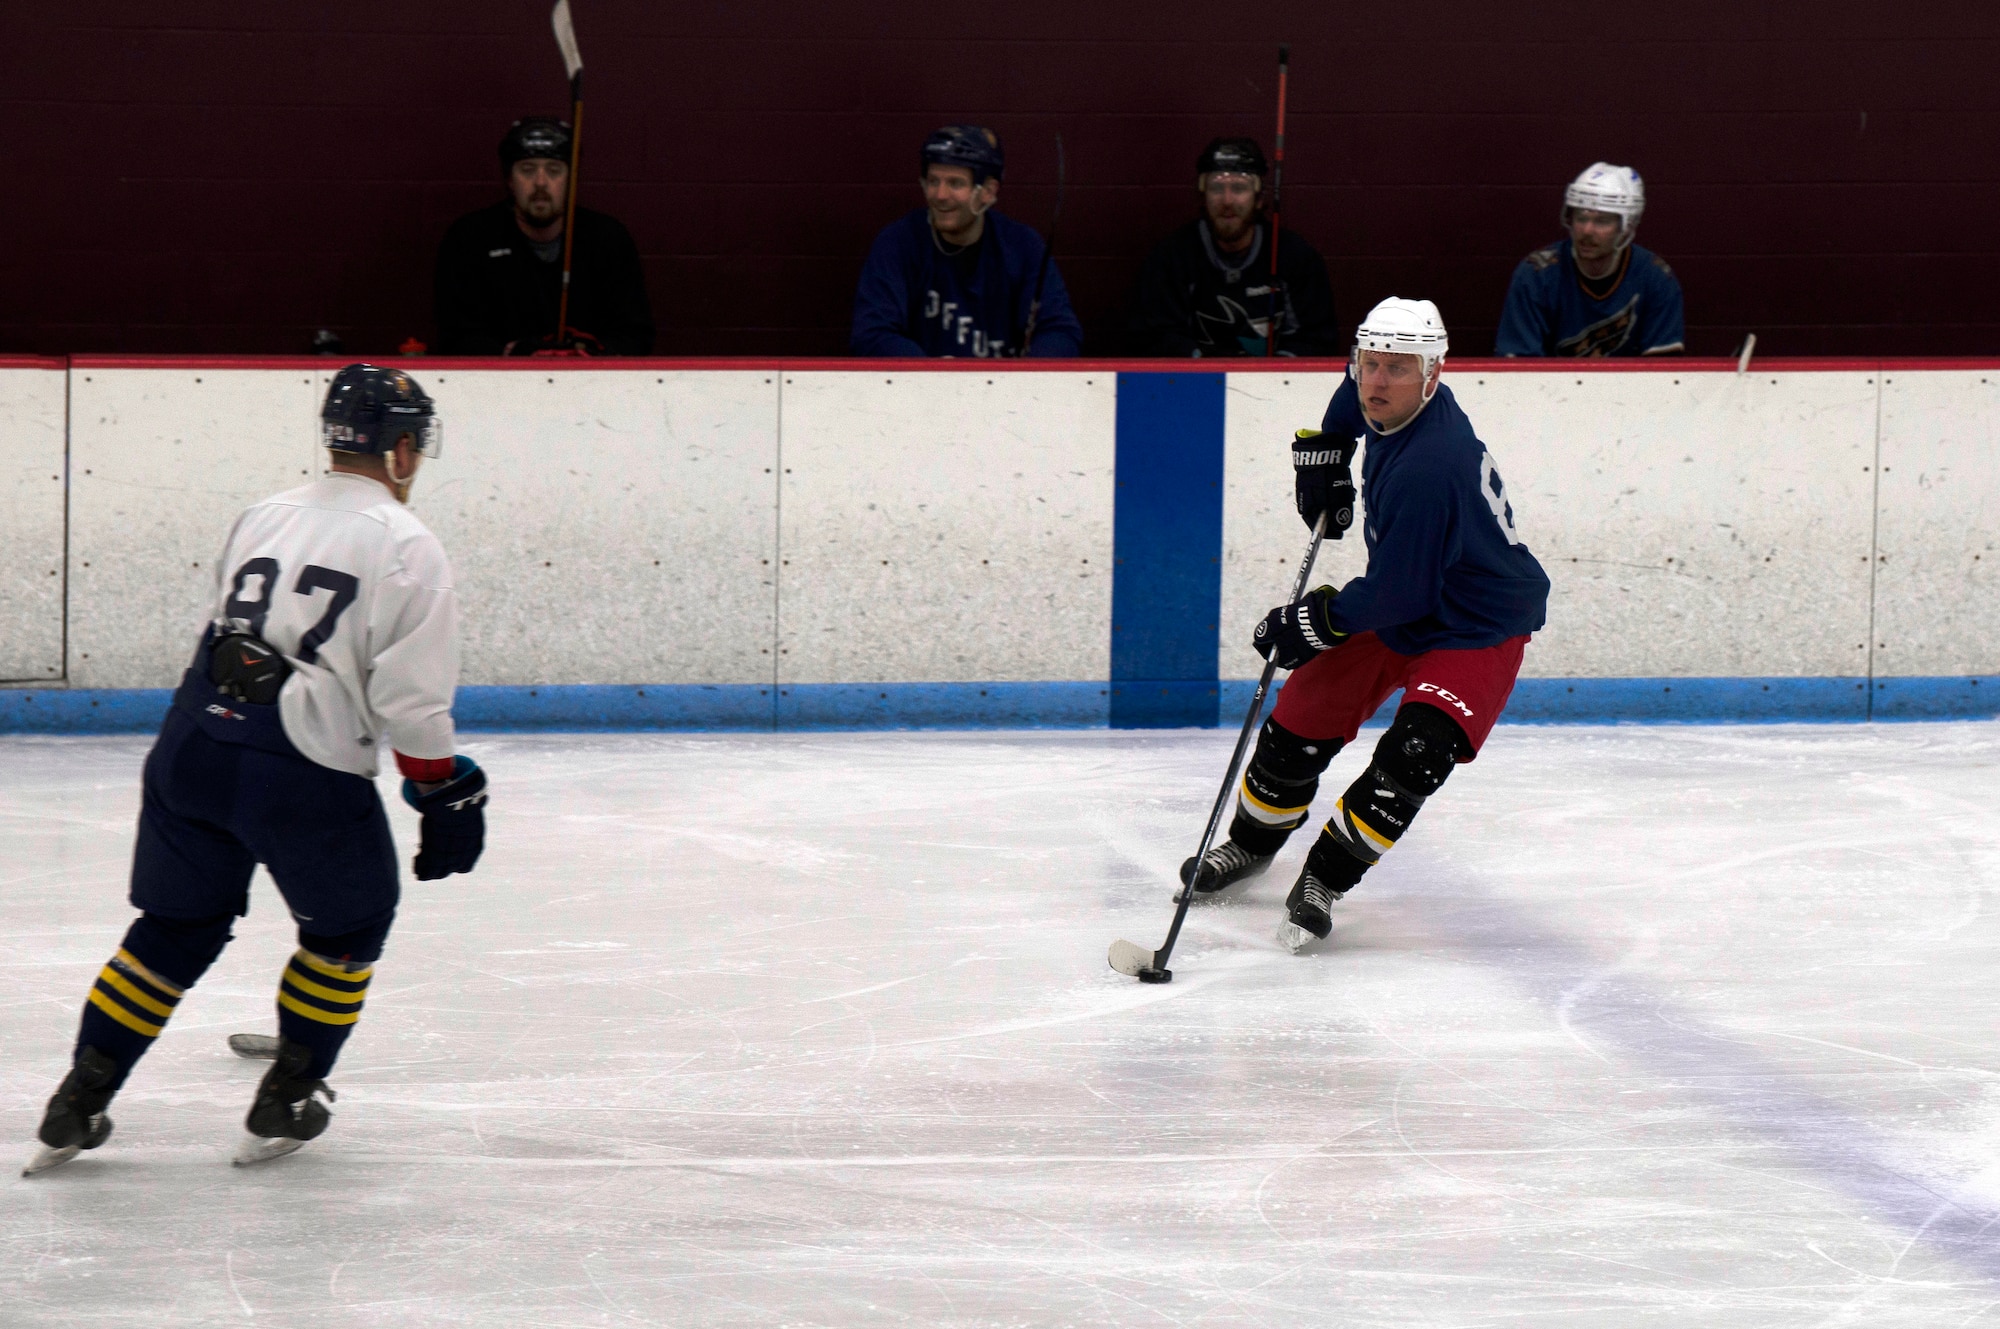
[(956, 278), (1443, 613)]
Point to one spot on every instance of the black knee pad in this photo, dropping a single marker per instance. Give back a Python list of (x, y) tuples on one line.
[(1411, 762), (360, 947), (1421, 748), (1279, 786), (179, 950)]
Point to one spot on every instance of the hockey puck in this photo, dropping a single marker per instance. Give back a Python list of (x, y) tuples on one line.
[(1156, 975)]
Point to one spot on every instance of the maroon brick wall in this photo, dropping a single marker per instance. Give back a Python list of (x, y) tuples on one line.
[(223, 177)]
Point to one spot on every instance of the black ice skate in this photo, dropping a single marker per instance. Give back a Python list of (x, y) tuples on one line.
[(1308, 911), (285, 1114), (1222, 866), (75, 1119)]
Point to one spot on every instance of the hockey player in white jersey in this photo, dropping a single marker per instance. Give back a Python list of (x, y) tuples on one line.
[(334, 628)]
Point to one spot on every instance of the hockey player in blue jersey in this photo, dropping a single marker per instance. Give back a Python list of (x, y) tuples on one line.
[(1443, 613), (333, 627), (956, 277), (1594, 293)]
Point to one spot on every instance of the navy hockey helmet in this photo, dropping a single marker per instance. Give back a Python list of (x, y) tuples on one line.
[(1231, 156), (534, 136), (971, 146), (369, 408)]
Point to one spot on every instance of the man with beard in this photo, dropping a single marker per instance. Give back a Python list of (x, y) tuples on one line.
[(1594, 293), (1207, 289), (499, 270), (955, 277)]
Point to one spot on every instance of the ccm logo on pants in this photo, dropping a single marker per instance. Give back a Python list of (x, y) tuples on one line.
[(1443, 695)]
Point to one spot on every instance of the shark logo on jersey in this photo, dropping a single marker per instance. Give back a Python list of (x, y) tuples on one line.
[(1236, 327), (1604, 337)]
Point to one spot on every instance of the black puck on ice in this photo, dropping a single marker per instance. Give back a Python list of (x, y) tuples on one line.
[(1156, 975)]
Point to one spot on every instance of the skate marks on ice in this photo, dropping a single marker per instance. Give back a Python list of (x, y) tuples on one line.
[(664, 1065)]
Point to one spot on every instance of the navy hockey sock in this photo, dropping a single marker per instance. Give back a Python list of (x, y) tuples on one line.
[(137, 991), (318, 1002)]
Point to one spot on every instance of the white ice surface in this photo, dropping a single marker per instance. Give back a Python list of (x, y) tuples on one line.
[(1661, 1026)]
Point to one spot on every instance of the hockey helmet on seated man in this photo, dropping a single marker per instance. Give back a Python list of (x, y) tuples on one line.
[(974, 147), (1230, 156), (369, 409), (1603, 187), (534, 136)]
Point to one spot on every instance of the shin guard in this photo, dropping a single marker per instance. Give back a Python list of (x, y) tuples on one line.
[(1278, 787), (322, 990), (136, 992), (1411, 762)]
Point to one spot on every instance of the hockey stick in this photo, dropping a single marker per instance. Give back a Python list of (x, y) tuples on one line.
[(1048, 252), (573, 63), (1277, 203), (1151, 966)]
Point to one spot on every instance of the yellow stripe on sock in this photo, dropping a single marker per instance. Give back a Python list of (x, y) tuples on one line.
[(312, 989), (131, 961), (297, 1007), (123, 1016), (112, 978), (1373, 835), (332, 969), (1249, 797)]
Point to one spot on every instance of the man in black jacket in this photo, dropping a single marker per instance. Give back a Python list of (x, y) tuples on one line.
[(1207, 289), (499, 270)]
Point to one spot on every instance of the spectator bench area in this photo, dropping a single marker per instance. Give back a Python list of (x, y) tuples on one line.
[(811, 544)]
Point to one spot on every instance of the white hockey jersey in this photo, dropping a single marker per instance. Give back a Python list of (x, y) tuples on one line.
[(356, 593)]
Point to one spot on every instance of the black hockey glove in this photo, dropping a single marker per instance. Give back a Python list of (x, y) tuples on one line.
[(1292, 634), (1323, 478), (454, 816)]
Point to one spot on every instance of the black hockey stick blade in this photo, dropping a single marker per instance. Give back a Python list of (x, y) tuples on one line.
[(1137, 962)]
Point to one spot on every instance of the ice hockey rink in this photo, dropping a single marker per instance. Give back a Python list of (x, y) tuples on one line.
[(1642, 1025)]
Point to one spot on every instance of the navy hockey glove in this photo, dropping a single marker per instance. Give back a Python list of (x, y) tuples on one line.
[(1292, 634), (1323, 479), (454, 816)]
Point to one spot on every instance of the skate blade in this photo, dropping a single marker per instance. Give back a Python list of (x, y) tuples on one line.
[(254, 1047), (256, 1149), (1295, 938), (46, 1158)]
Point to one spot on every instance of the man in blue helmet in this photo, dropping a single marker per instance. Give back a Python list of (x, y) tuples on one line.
[(334, 626), (955, 277)]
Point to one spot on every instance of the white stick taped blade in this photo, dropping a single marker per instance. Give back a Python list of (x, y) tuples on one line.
[(1129, 959), (566, 38)]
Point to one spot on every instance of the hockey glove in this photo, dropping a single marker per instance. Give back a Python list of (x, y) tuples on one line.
[(1323, 479), (1292, 634), (454, 816)]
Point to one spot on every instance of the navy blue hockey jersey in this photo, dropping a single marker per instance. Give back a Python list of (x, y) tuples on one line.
[(1446, 569), (916, 300), (1549, 311)]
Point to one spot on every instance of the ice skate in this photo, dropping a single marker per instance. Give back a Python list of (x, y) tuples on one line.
[(285, 1114), (75, 1119), (1222, 867), (1308, 912)]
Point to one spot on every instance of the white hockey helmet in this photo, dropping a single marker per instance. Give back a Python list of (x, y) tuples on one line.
[(1606, 188), (1402, 327)]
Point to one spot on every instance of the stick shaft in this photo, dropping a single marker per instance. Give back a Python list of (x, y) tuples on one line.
[(1277, 202), (1236, 759), (569, 201), (1048, 253)]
